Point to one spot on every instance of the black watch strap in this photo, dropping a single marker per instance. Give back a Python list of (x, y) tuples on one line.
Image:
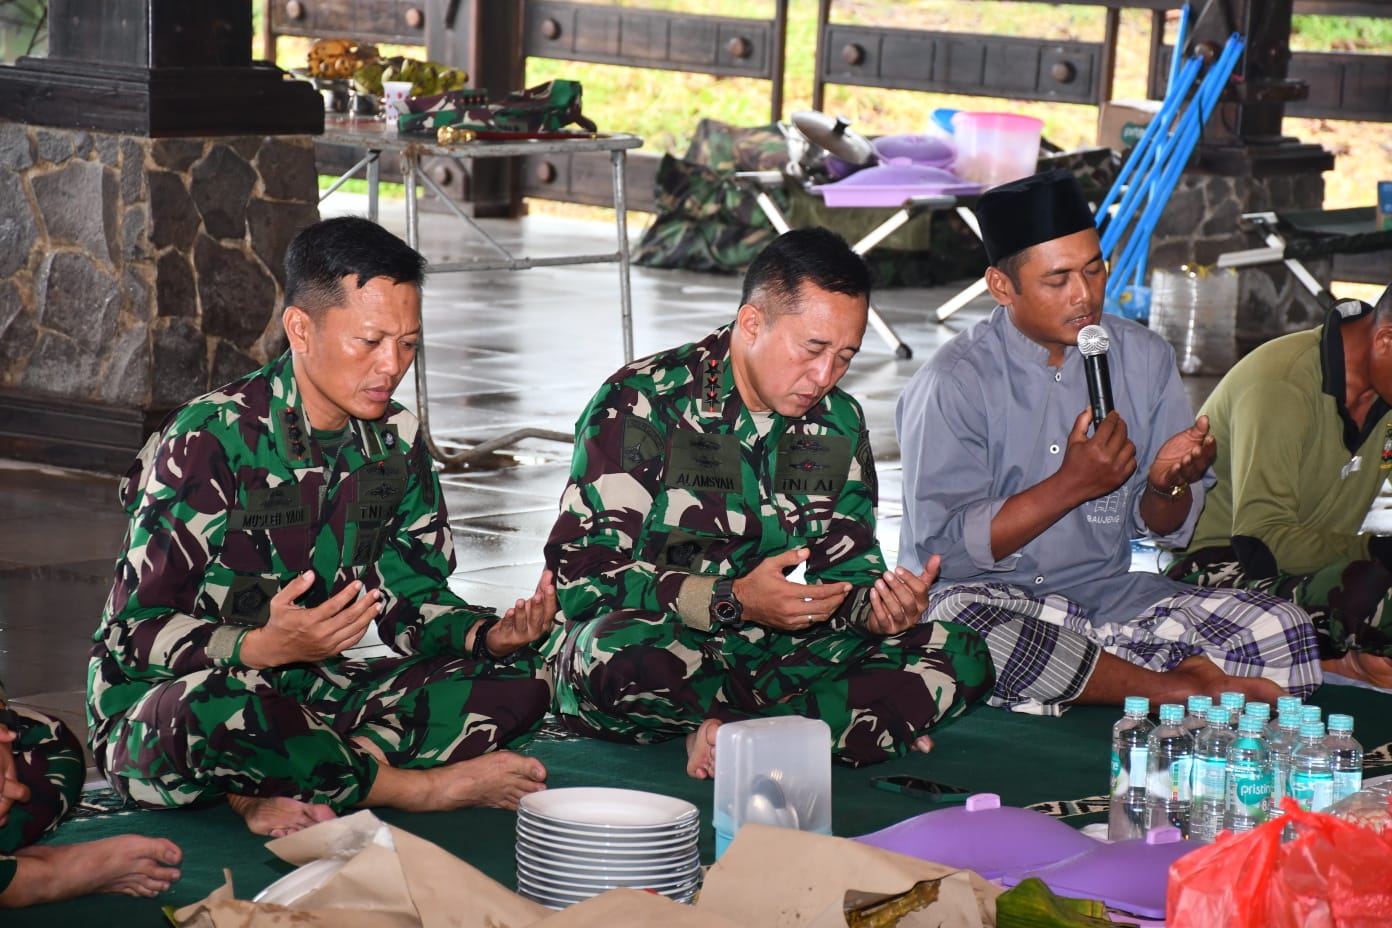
[(480, 651)]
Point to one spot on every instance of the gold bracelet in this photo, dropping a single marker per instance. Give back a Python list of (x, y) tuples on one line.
[(1173, 492)]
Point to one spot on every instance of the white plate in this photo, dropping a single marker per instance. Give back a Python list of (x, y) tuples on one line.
[(601, 846), (541, 859), (608, 807), (627, 877), (562, 851), (579, 890), (600, 833), (301, 881)]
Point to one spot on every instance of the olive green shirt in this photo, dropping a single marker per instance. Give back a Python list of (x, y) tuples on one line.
[(1293, 470)]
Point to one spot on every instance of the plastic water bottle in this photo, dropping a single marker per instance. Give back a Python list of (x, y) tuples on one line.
[(1233, 702), (1289, 704), (1310, 714), (1281, 746), (1210, 789), (1169, 771), (1345, 756), (1249, 776), (1126, 816), (1197, 717), (1311, 777), (1258, 710)]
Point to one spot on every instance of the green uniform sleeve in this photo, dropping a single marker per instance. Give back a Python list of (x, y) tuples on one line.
[(1267, 446), (423, 615), (161, 621), (604, 508)]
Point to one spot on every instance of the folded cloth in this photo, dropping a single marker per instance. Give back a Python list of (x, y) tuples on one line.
[(546, 107)]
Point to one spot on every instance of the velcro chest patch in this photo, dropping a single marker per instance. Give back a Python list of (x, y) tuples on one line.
[(812, 465)]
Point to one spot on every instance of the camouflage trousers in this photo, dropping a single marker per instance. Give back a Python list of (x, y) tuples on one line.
[(1350, 602), (644, 677), (290, 731), (48, 760)]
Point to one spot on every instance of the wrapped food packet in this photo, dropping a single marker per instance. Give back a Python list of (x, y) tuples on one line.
[(1370, 807)]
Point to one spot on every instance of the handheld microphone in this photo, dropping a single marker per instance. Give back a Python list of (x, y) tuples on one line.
[(1093, 342)]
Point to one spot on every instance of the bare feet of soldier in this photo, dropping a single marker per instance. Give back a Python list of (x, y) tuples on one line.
[(1368, 668), (498, 779), (1198, 675), (700, 750), (278, 816), (129, 865)]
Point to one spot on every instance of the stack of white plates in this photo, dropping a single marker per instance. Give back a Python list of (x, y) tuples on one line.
[(578, 842)]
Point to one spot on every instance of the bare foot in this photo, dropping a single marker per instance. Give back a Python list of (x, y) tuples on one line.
[(498, 779), (1198, 675), (130, 865), (922, 744), (278, 816), (1369, 668), (700, 750)]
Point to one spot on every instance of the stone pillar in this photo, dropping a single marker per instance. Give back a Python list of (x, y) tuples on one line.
[(151, 176), (137, 274)]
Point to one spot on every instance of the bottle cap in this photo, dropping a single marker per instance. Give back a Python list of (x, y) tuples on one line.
[(1198, 705), (1250, 725), (1259, 710), (1232, 700), (1218, 714), (1137, 705), (1312, 729), (1171, 712), (1287, 703), (1310, 713), (1341, 723), (1289, 719)]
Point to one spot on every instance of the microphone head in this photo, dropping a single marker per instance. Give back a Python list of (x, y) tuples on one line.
[(1093, 340)]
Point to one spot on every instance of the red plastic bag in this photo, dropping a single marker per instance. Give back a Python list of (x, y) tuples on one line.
[(1334, 873)]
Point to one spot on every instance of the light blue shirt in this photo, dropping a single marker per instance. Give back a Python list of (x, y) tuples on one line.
[(988, 418)]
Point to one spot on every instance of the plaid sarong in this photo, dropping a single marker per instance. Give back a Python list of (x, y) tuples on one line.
[(1045, 649)]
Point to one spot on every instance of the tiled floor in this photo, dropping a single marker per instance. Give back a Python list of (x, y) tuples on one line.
[(506, 350)]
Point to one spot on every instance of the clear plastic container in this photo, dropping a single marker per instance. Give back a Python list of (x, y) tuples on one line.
[(995, 148), (1195, 310), (1249, 777), (774, 771), (1209, 793)]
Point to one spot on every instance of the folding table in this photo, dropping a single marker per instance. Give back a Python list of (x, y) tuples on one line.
[(1292, 236), (759, 183), (378, 136)]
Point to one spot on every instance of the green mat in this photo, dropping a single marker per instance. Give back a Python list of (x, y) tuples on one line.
[(1058, 765)]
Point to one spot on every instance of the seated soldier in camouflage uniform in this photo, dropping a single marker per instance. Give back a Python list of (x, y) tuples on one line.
[(701, 477), (41, 772), (271, 521)]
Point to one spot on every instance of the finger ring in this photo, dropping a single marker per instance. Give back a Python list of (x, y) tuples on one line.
[(809, 618)]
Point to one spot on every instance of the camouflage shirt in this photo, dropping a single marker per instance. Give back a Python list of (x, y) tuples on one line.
[(675, 483), (232, 500)]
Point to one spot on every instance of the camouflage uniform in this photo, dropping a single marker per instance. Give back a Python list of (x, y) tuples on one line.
[(232, 501), (48, 759), (674, 484)]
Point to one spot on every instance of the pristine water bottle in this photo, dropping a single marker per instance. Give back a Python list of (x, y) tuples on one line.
[(1345, 756), (1311, 777), (1197, 716), (1169, 771), (1126, 816), (1249, 777), (1258, 710), (1286, 738), (1210, 790), (1233, 702)]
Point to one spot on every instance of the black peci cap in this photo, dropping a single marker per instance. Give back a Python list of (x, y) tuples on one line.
[(1031, 210)]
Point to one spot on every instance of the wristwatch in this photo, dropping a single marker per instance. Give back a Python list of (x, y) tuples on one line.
[(1168, 492), (726, 611)]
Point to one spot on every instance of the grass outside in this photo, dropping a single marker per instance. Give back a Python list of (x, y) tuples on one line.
[(664, 106)]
